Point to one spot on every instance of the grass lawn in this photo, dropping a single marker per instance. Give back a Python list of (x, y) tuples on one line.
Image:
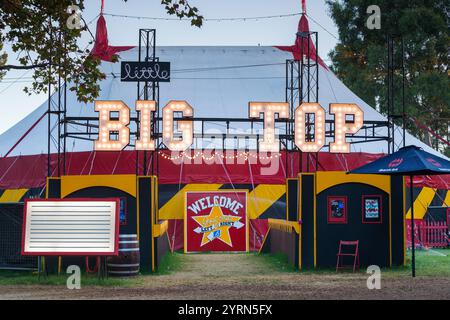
[(434, 262), (169, 264), (430, 263), (31, 278)]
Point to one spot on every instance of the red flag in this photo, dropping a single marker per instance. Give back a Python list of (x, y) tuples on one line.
[(102, 49), (300, 48)]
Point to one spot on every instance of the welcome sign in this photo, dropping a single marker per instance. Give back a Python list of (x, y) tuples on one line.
[(216, 221)]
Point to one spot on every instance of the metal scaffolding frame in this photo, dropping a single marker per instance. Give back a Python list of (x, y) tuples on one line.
[(148, 91), (393, 114), (366, 134), (302, 85)]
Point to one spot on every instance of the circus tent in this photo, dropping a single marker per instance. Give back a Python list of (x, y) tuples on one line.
[(216, 81)]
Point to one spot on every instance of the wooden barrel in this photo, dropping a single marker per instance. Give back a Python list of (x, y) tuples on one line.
[(126, 264)]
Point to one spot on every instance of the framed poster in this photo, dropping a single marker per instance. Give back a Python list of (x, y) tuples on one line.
[(337, 210), (216, 221), (372, 211)]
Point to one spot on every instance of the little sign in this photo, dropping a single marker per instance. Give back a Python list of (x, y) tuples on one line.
[(133, 71)]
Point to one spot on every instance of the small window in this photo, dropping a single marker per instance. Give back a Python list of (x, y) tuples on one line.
[(337, 210), (123, 211), (372, 210)]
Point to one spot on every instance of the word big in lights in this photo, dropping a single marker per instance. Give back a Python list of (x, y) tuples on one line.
[(114, 119)]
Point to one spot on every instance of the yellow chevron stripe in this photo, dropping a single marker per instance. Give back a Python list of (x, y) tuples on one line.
[(262, 197), (422, 203), (13, 195), (174, 208), (447, 199)]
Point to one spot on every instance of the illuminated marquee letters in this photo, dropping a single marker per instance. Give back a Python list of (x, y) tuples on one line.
[(185, 126), (341, 111), (319, 126), (114, 118), (145, 141), (269, 109)]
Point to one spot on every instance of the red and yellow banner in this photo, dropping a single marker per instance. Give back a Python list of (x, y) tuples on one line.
[(216, 221)]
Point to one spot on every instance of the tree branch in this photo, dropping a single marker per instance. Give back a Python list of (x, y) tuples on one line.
[(34, 66)]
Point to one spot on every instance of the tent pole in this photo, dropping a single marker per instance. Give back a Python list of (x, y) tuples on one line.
[(413, 252)]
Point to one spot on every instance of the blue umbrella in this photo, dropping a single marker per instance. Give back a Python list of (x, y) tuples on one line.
[(408, 161)]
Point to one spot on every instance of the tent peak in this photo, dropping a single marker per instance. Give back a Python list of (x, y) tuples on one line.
[(304, 47)]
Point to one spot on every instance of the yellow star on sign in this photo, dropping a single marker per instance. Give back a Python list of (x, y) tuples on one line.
[(216, 225)]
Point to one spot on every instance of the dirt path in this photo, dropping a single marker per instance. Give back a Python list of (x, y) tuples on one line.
[(240, 276)]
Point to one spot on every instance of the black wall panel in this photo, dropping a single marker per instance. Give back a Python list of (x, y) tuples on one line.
[(145, 223), (398, 236), (373, 238), (292, 199), (106, 192)]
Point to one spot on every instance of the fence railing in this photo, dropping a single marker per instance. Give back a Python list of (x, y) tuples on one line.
[(431, 234)]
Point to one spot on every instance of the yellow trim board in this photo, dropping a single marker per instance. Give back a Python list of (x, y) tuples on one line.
[(285, 226), (328, 179), (124, 182), (13, 195)]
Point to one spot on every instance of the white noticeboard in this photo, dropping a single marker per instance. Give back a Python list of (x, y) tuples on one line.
[(71, 227)]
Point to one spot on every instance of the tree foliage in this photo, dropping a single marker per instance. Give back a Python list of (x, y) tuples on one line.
[(38, 33), (360, 58), (3, 59)]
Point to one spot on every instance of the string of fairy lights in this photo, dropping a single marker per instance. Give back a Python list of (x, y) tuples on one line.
[(278, 16), (226, 19), (207, 156)]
